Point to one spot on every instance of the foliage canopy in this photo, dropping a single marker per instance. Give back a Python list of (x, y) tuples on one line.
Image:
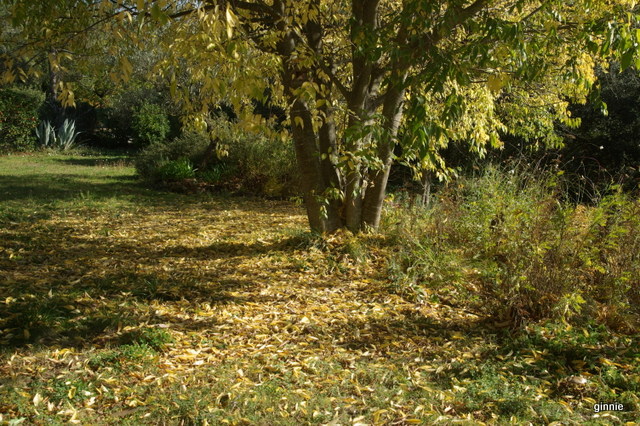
[(356, 77)]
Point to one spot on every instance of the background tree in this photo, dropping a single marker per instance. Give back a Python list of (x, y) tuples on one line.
[(606, 148), (351, 74)]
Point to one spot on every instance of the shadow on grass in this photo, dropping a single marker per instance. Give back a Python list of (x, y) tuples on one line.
[(44, 189), (47, 188), (89, 311), (64, 289), (97, 161), (227, 249), (61, 287)]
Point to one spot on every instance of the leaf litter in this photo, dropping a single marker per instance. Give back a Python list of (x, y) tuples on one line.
[(224, 311)]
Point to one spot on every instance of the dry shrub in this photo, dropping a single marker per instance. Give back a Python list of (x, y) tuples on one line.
[(507, 245)]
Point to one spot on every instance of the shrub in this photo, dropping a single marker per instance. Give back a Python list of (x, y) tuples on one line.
[(150, 124), (266, 167), (114, 124), (242, 161), (506, 244), (176, 170), (190, 146), (18, 118), (217, 173)]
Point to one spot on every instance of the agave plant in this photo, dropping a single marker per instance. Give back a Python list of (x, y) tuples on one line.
[(66, 135), (46, 134)]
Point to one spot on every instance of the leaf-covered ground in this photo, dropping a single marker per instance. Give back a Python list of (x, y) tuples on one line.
[(125, 305)]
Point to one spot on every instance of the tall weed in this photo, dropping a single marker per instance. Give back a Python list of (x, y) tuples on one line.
[(507, 245)]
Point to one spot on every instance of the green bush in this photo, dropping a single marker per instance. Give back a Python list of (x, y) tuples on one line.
[(190, 146), (266, 167), (176, 170), (507, 245), (217, 173), (242, 162), (150, 124), (18, 118)]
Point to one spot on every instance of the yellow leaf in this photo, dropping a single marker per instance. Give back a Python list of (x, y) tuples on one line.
[(495, 82), (377, 414), (72, 392), (229, 17)]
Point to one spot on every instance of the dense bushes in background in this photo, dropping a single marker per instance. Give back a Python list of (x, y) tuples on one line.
[(118, 127), (507, 245), (236, 162), (608, 147), (264, 166), (151, 161), (18, 118)]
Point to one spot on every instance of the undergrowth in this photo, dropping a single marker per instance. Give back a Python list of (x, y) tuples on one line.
[(123, 305), (507, 244)]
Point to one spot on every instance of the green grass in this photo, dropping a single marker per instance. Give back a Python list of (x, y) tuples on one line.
[(131, 306), (34, 186)]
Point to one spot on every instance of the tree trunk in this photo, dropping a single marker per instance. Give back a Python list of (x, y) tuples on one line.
[(315, 151), (363, 190), (56, 109), (324, 216), (374, 196)]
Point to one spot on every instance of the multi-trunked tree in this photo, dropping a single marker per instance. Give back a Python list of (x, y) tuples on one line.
[(357, 78)]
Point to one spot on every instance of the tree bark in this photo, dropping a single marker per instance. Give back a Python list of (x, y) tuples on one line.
[(317, 174), (363, 190), (56, 109), (374, 196)]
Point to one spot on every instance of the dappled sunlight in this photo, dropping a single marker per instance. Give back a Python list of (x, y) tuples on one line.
[(177, 307)]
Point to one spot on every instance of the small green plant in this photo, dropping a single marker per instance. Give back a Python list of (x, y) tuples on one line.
[(216, 173), (66, 135), (46, 134), (105, 358), (176, 170), (155, 338), (123, 357)]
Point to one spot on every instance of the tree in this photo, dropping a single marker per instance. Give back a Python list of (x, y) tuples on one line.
[(359, 77)]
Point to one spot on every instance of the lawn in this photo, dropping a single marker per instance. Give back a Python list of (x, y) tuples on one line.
[(122, 304)]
